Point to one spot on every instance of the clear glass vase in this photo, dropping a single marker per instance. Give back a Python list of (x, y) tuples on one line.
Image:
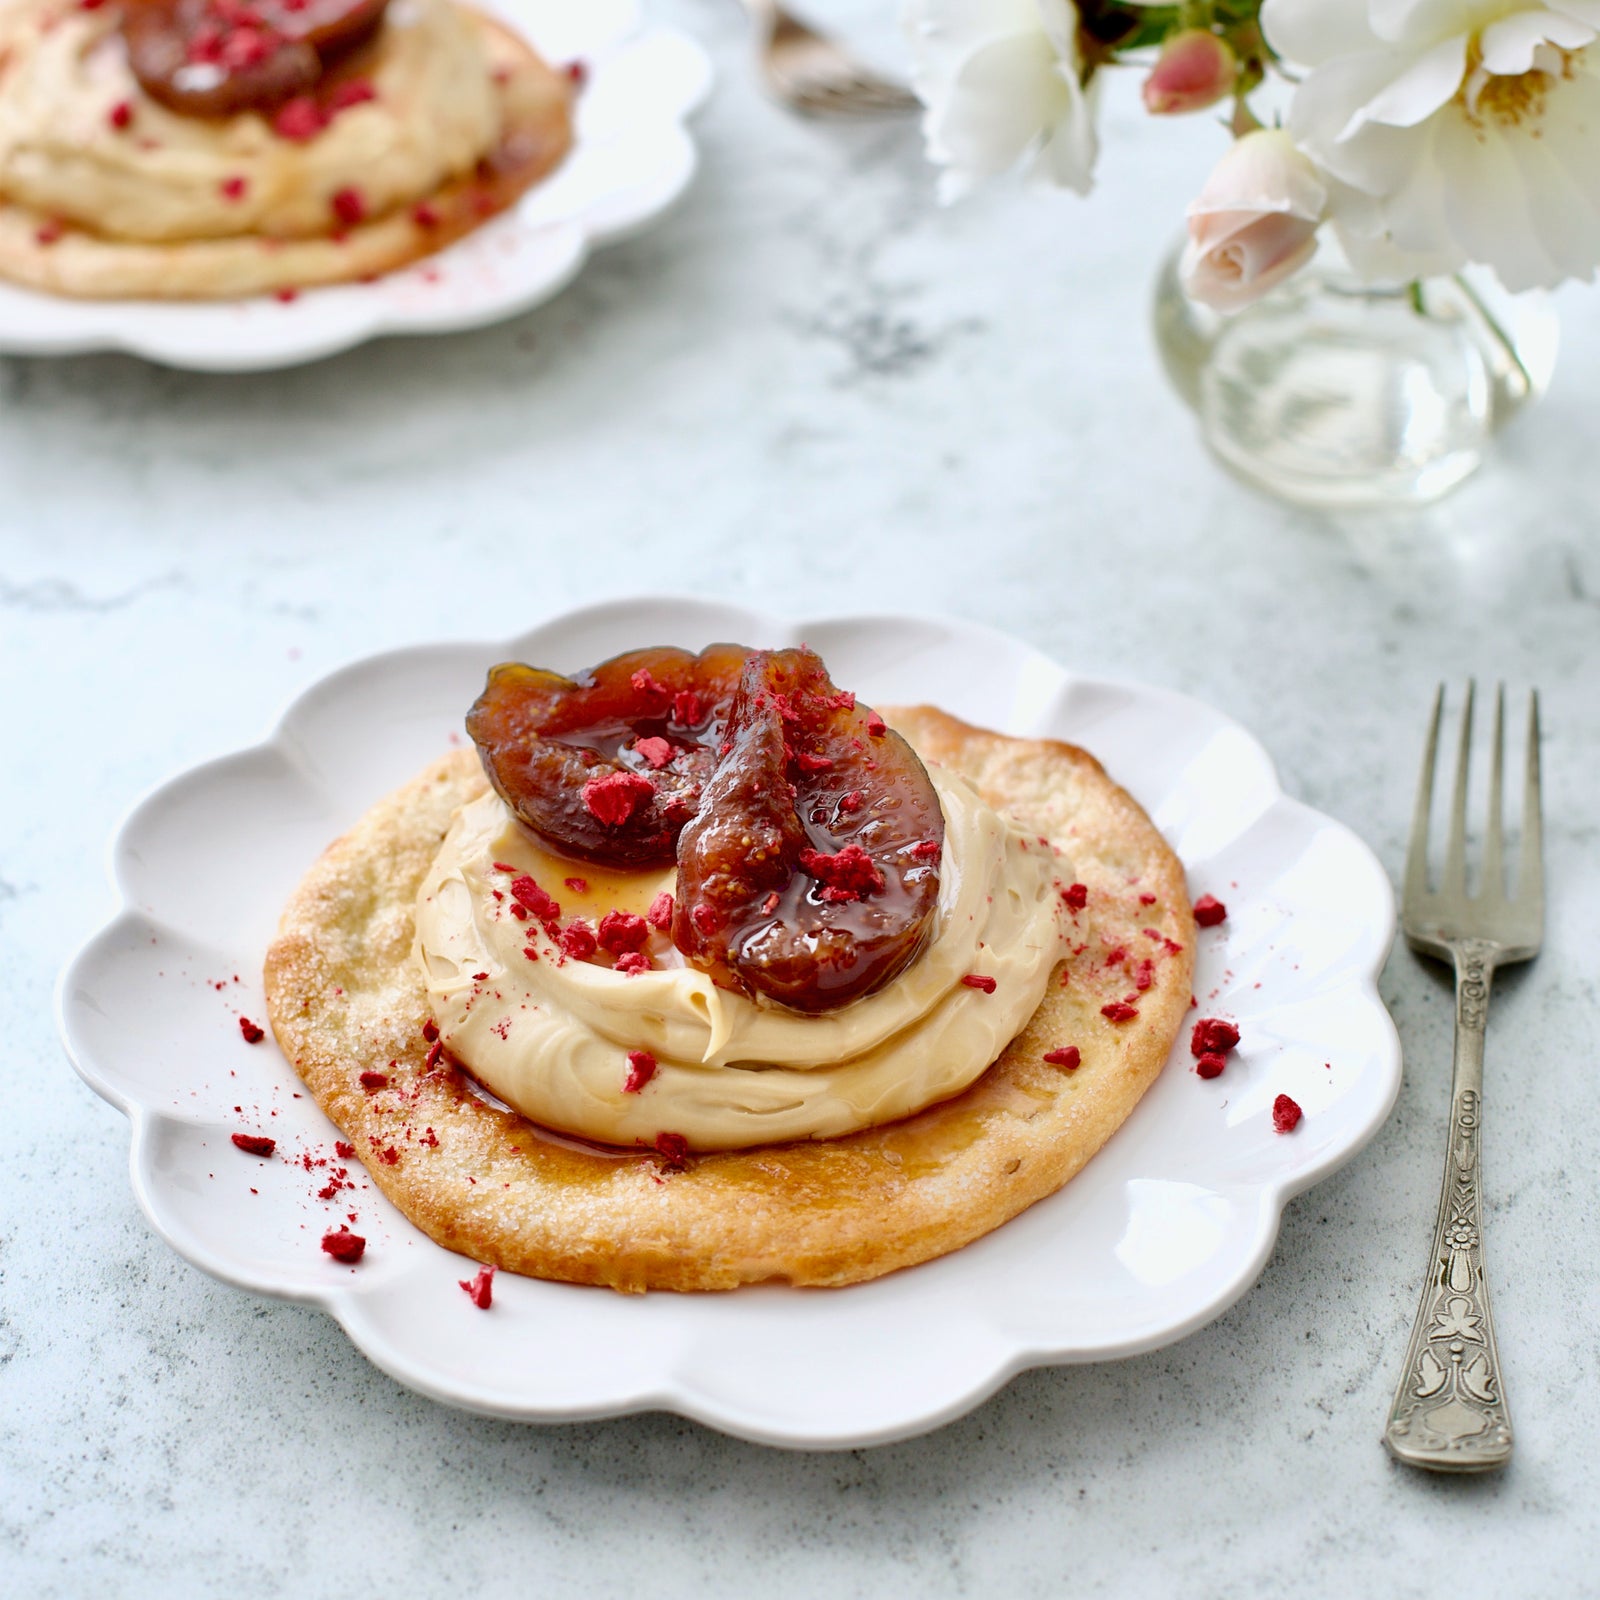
[(1332, 392)]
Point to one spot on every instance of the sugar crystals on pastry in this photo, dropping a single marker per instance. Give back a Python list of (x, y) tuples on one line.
[(215, 149)]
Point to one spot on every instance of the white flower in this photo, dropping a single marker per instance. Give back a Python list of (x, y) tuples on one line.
[(1458, 130), (1002, 81), (1254, 223)]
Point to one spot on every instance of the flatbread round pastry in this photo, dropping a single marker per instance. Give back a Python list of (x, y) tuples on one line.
[(345, 998), (534, 118)]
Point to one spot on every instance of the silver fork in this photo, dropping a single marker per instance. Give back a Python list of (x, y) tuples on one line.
[(811, 74), (1449, 1411)]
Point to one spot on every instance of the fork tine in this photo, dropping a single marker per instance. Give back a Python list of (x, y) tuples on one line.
[(1416, 885), (1454, 881), (1493, 886), (1530, 869)]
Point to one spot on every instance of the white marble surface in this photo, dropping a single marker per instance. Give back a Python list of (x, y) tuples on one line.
[(813, 389)]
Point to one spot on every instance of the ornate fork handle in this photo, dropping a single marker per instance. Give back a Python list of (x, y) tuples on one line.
[(1449, 1411)]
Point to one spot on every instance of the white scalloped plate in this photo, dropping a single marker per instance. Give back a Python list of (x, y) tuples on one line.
[(631, 159), (1168, 1225)]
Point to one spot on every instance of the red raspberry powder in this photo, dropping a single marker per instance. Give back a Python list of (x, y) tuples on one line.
[(345, 1152), (1068, 1058), (528, 893), (1076, 895), (660, 913), (615, 797), (252, 1034), (1119, 1011), (641, 1069), (300, 118), (621, 931), (851, 871), (1212, 1033), (1209, 911), (977, 980), (345, 1246), (1286, 1114), (480, 1290), (1210, 1065), (349, 205), (255, 1144)]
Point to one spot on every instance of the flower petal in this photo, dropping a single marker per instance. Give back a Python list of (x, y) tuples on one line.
[(1487, 208), (1311, 32), (1509, 45), (1416, 93)]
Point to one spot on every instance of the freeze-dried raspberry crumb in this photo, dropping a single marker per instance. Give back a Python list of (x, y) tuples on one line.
[(344, 1246), (810, 763), (577, 885), (770, 904), (978, 980), (1119, 1011), (644, 681), (435, 1053), (1144, 974), (615, 797), (656, 751), (353, 92), (1115, 958), (578, 940), (252, 1033), (121, 114), (1068, 1058), (374, 1080), (1210, 1065), (349, 206), (1212, 1033), (660, 913), (299, 119), (527, 893), (876, 726), (641, 1069), (1147, 899), (49, 233), (851, 802), (255, 1144), (674, 1147), (1209, 911), (686, 708), (424, 215), (430, 1030), (286, 296), (234, 187), (429, 1138), (621, 931), (480, 1290), (505, 866), (851, 872), (345, 1152), (1076, 895), (632, 963), (705, 919), (577, 74), (389, 1156), (1286, 1114), (926, 850), (479, 977)]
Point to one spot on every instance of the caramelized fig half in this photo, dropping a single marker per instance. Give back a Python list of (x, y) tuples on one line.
[(809, 874), (214, 58), (608, 766)]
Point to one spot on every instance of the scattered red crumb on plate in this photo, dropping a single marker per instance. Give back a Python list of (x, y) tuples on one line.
[(255, 1144), (480, 1290), (1210, 1065), (1212, 1034), (1209, 911), (252, 1033), (343, 1245), (1286, 1114)]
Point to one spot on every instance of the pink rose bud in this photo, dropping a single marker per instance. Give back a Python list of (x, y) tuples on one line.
[(1254, 223), (1195, 70)]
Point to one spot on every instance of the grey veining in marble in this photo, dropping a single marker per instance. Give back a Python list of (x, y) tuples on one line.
[(814, 389)]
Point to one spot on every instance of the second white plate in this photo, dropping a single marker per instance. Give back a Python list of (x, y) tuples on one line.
[(1168, 1225)]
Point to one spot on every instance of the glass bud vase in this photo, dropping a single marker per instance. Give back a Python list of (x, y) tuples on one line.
[(1333, 392)]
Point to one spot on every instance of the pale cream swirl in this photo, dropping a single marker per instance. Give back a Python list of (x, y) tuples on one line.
[(551, 1036), (166, 177)]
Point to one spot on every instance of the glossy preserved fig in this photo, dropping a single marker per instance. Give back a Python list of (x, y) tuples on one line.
[(607, 766), (214, 58), (809, 874)]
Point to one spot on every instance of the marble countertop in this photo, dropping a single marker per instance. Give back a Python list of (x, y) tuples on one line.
[(813, 389)]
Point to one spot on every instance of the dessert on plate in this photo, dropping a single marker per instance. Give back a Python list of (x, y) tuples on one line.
[(697, 972), (218, 149)]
